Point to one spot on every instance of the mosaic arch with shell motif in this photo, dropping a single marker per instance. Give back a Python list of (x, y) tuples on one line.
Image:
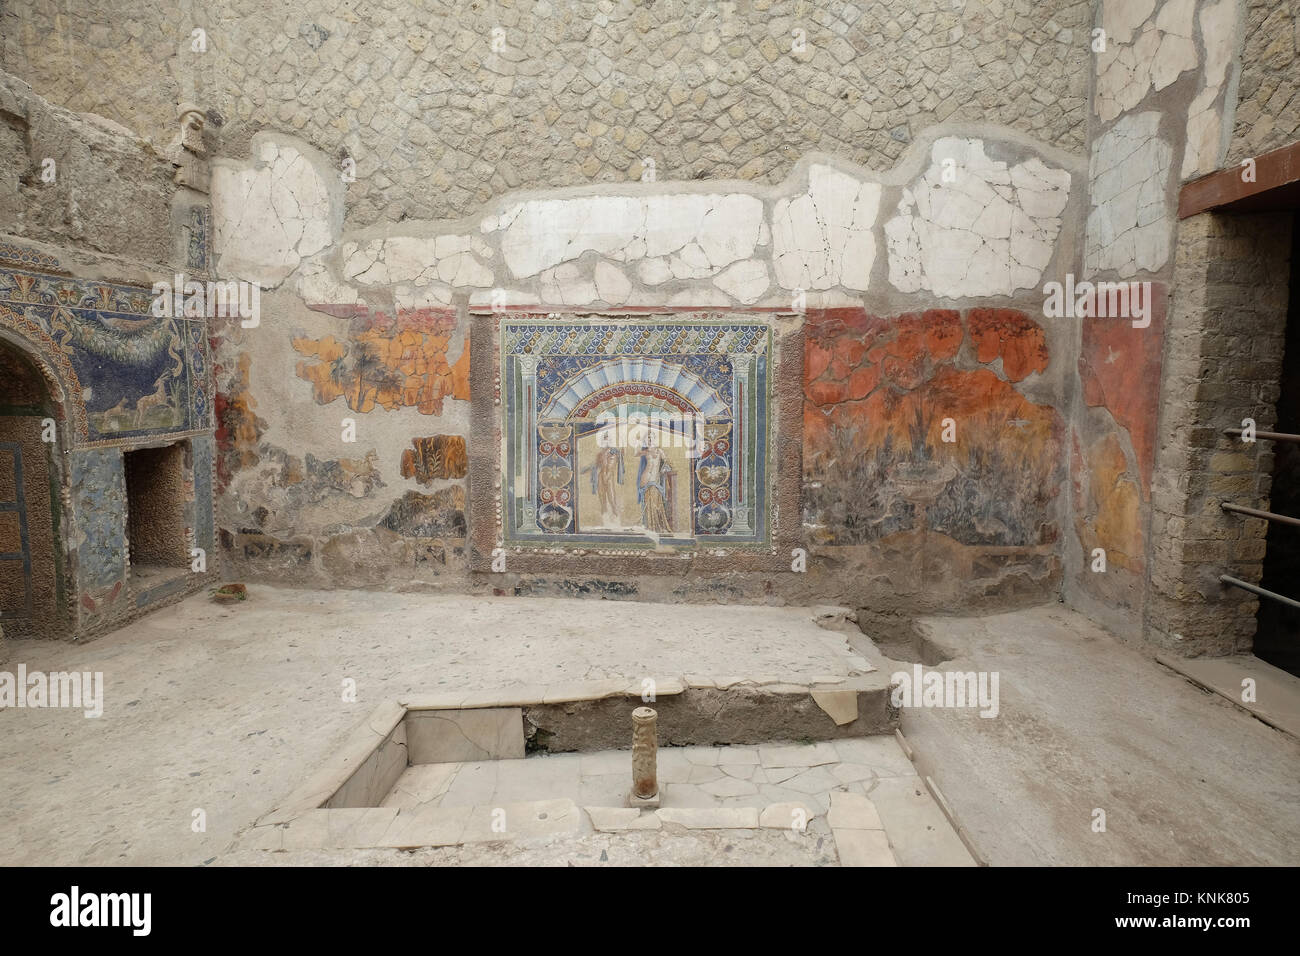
[(636, 434)]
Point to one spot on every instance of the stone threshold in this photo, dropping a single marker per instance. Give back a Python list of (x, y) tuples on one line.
[(1272, 696)]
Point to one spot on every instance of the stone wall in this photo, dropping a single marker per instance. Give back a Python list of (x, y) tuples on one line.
[(895, 186), (1268, 108), (78, 180), (441, 113), (1226, 330)]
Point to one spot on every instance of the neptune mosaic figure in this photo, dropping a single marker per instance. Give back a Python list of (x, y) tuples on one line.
[(607, 472)]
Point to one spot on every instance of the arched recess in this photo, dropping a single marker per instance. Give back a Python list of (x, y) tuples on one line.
[(33, 435), (640, 376)]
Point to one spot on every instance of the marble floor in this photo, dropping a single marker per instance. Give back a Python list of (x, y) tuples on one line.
[(226, 708), (688, 776), (852, 802)]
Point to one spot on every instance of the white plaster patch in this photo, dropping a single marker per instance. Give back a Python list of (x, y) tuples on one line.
[(1128, 227), (453, 260), (269, 214), (990, 230), (542, 233), (688, 298), (1141, 54), (1204, 116), (612, 286), (424, 297), (746, 281), (824, 238), (499, 298), (730, 229), (566, 285), (690, 263), (653, 271), (1204, 133), (315, 285), (1120, 18)]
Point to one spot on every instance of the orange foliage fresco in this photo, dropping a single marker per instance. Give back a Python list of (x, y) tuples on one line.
[(388, 363), (878, 392)]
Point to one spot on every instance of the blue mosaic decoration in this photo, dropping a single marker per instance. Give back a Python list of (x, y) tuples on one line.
[(27, 258), (202, 521), (196, 246), (130, 373), (99, 490), (635, 434)]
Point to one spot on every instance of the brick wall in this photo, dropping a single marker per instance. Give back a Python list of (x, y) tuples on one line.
[(1223, 363)]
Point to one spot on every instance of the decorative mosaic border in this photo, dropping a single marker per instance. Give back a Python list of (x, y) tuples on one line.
[(47, 355), (30, 300), (783, 458), (725, 367), (25, 258)]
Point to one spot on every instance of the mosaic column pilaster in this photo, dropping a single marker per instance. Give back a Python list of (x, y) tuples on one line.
[(527, 447), (555, 474), (740, 503)]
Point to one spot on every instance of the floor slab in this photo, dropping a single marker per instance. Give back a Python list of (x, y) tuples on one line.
[(1274, 695), (224, 709), (882, 815), (1088, 723)]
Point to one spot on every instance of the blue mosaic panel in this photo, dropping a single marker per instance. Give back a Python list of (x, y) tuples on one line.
[(98, 492), (635, 433), (196, 245), (132, 374), (202, 502)]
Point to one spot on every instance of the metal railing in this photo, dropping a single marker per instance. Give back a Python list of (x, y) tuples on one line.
[(1256, 589), (1228, 579), (1271, 436), (1256, 513)]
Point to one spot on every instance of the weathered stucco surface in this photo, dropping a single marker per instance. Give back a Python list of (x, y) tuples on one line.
[(1166, 88), (373, 328), (80, 180), (893, 185)]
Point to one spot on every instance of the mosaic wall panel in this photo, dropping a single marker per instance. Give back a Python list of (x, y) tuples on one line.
[(201, 503), (635, 434), (98, 495), (130, 374)]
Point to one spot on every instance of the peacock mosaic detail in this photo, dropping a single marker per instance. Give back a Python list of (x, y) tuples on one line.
[(131, 373), (635, 433)]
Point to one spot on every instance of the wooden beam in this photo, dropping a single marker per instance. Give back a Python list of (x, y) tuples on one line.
[(1276, 186)]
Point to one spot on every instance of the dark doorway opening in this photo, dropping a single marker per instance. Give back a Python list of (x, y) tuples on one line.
[(1277, 635)]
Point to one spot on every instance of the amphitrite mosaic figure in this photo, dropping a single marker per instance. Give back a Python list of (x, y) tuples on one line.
[(655, 482)]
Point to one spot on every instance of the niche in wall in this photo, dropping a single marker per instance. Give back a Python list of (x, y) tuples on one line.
[(155, 512)]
